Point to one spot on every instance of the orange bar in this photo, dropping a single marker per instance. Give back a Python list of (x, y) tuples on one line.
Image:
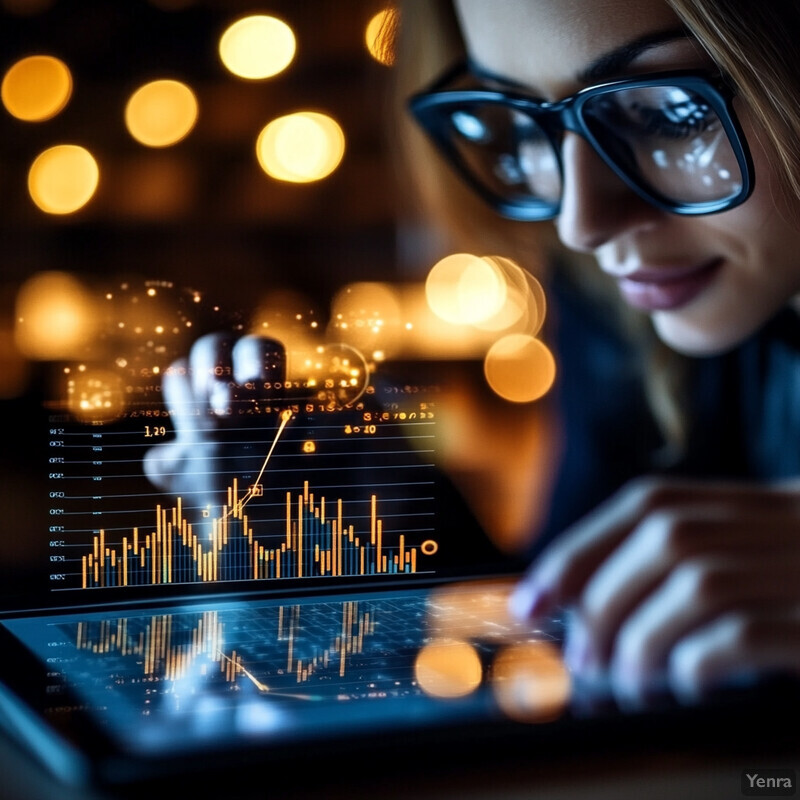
[(83, 571), (288, 519), (322, 510), (165, 553), (147, 651), (402, 550), (103, 553), (379, 545), (362, 563), (300, 531), (372, 519), (414, 559), (339, 554), (334, 548)]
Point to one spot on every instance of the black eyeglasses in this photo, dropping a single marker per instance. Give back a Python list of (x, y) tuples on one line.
[(672, 137)]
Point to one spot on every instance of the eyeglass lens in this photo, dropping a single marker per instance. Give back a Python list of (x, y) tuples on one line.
[(666, 139)]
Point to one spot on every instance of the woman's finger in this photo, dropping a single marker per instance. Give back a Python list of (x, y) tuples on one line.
[(663, 542), (698, 591), (258, 359), (561, 572), (211, 367), (735, 648)]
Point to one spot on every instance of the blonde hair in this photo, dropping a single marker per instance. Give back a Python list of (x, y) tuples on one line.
[(755, 44)]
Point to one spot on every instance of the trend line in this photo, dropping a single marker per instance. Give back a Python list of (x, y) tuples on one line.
[(262, 687), (286, 415)]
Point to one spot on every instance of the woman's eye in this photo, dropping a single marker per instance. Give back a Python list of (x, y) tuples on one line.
[(661, 112), (673, 122)]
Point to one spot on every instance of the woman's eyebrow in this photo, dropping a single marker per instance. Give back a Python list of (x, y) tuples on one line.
[(611, 64)]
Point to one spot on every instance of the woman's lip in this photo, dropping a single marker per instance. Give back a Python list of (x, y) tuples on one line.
[(666, 288)]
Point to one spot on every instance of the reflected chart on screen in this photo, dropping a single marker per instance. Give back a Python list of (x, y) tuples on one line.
[(289, 494)]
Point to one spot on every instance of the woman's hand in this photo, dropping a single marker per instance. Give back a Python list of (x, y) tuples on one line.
[(223, 373), (692, 584)]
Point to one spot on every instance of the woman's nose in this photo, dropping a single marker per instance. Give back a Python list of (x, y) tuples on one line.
[(596, 205)]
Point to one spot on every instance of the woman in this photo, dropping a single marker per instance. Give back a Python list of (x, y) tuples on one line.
[(683, 183)]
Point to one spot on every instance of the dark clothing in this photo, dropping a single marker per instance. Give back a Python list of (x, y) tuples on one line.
[(744, 406)]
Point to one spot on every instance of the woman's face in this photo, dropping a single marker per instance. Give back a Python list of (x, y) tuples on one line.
[(708, 281)]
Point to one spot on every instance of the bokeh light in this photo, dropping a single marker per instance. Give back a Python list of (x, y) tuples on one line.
[(375, 42), (95, 396), (448, 668), (524, 307), (301, 147), (427, 335), (161, 113), (54, 316), (465, 289), (36, 88), (367, 315), (531, 682), (519, 368), (257, 47), (63, 179)]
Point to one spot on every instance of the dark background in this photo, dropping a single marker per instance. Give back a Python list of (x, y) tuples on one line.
[(201, 213)]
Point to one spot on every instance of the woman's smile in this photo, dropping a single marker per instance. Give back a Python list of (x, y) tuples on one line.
[(663, 288)]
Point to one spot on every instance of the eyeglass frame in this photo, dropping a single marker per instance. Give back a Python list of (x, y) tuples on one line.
[(566, 114)]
